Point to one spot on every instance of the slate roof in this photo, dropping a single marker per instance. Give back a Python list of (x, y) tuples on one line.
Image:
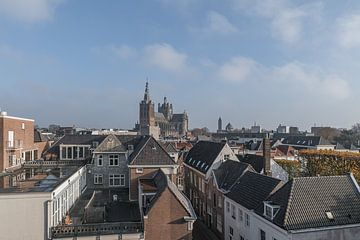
[(110, 144), (169, 147), (150, 152), (161, 182), (304, 202), (203, 154), (229, 172), (307, 141), (39, 137), (256, 161), (76, 140), (252, 189)]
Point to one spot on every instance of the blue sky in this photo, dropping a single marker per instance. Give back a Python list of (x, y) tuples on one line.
[(85, 62)]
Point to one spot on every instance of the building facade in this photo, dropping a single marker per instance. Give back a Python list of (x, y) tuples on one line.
[(17, 142)]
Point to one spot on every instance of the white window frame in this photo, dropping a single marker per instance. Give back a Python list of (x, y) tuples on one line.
[(114, 177), (240, 213), (233, 211), (247, 220), (139, 170), (114, 160), (100, 159), (97, 178), (219, 224)]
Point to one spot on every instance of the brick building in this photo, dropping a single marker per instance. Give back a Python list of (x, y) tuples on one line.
[(17, 142), (167, 213), (199, 164)]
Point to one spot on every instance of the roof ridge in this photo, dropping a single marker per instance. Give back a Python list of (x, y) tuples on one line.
[(289, 203), (321, 176)]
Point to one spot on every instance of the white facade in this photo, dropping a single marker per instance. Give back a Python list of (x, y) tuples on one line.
[(237, 226), (238, 222), (64, 196), (30, 215)]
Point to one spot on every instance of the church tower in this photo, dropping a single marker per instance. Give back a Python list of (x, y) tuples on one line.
[(147, 115), (219, 125)]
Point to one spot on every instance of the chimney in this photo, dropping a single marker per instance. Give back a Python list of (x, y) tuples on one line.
[(267, 155)]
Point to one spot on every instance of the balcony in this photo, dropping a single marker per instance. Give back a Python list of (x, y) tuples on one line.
[(13, 145), (66, 231)]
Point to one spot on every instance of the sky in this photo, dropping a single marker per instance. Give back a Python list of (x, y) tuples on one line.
[(85, 62)]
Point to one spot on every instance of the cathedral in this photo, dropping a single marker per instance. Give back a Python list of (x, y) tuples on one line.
[(163, 123)]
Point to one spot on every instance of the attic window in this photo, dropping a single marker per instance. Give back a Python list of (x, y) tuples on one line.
[(330, 216), (153, 148), (270, 210)]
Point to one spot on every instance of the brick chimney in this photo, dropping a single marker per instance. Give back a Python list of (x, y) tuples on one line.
[(267, 155)]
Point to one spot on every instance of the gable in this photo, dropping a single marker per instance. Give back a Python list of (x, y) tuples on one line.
[(150, 152), (110, 144)]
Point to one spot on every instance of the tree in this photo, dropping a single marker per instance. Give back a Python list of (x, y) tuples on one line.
[(329, 162), (349, 137), (293, 168)]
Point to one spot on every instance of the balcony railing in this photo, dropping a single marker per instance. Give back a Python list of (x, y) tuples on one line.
[(16, 144), (96, 229), (42, 163)]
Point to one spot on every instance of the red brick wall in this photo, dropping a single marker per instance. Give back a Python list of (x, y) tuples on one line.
[(166, 219), (25, 135), (134, 180)]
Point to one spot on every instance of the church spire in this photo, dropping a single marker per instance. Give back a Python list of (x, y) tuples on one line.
[(147, 95)]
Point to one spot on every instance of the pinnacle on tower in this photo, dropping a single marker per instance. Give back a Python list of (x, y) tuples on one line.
[(147, 95)]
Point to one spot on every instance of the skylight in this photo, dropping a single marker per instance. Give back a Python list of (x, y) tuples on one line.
[(329, 215)]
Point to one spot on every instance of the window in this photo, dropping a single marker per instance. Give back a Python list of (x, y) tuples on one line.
[(117, 180), (69, 153), (247, 219), (98, 179), (191, 177), (190, 225), (139, 170), (114, 160), (219, 202), (202, 185), (262, 235), (270, 210), (227, 206), (241, 238), (219, 223), (100, 160), (231, 233), (214, 200), (23, 126), (233, 213), (226, 156), (240, 215), (81, 152)]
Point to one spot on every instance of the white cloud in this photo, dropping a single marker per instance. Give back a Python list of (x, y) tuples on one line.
[(286, 21), (28, 10), (164, 56), (238, 69), (315, 81), (217, 23), (293, 76), (348, 31)]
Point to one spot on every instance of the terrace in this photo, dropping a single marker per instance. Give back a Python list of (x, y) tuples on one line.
[(101, 212)]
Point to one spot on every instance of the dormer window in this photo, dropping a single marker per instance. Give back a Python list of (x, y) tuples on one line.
[(270, 210)]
